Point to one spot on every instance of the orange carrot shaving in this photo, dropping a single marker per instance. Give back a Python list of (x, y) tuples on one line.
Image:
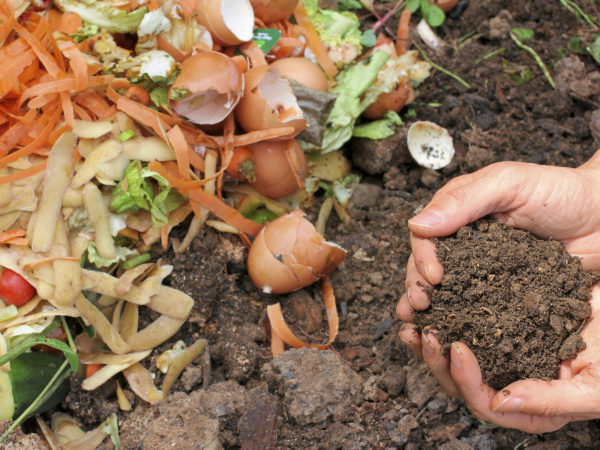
[(281, 332), (287, 113), (77, 62), (314, 41), (43, 55), (91, 369), (164, 236), (254, 53), (196, 160), (403, 31), (295, 165), (138, 94), (33, 170), (166, 46), (224, 212), (70, 23), (18, 241), (67, 106), (39, 262), (182, 151), (10, 234)]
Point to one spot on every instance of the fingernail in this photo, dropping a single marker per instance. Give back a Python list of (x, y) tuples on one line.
[(509, 405), (427, 347), (428, 273), (456, 357), (409, 299), (427, 219)]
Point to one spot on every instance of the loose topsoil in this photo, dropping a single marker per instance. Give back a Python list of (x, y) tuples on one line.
[(519, 302), (368, 391)]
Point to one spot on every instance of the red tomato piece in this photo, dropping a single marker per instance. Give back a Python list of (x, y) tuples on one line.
[(14, 289)]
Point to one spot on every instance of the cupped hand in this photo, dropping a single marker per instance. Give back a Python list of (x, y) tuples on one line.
[(533, 406), (552, 202)]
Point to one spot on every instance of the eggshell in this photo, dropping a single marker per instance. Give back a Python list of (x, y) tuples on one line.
[(303, 71), (430, 145), (290, 245), (273, 10), (266, 95), (444, 5), (215, 83), (230, 22), (274, 175), (401, 96)]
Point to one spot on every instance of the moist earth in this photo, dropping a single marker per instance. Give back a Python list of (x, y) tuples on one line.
[(519, 302), (368, 391)]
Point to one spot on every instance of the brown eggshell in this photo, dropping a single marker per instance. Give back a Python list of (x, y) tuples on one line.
[(254, 111), (266, 271), (444, 5), (274, 176), (403, 95), (231, 27), (303, 71), (291, 240), (273, 10), (215, 83), (210, 70)]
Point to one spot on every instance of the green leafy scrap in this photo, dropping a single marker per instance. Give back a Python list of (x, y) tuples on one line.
[(136, 191), (432, 14), (159, 88)]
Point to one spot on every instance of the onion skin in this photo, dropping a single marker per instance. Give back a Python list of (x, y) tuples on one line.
[(289, 254), (401, 96), (274, 175), (273, 10), (444, 5), (303, 71)]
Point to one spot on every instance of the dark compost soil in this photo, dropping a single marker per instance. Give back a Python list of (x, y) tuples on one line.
[(518, 301), (368, 391)]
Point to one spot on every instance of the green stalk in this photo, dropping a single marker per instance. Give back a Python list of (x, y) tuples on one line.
[(61, 374), (537, 58), (440, 68)]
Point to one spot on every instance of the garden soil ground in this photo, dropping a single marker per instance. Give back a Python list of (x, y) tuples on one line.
[(367, 391)]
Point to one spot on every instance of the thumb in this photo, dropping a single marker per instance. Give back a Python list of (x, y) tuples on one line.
[(467, 198), (549, 398)]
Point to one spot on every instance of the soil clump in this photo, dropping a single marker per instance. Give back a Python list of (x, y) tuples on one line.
[(519, 302)]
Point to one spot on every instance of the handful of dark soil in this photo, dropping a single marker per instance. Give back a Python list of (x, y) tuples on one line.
[(517, 301)]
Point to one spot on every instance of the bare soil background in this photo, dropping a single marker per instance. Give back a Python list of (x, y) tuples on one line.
[(368, 391)]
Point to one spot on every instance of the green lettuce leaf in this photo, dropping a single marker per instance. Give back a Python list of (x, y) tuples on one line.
[(352, 84), (136, 191)]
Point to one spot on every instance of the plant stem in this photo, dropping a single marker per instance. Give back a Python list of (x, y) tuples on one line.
[(537, 58), (489, 55), (440, 68), (381, 22), (576, 10)]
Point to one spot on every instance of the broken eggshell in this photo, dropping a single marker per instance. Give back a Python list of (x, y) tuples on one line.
[(268, 102), (279, 167), (289, 254), (215, 84), (273, 10), (230, 22), (303, 71), (430, 145)]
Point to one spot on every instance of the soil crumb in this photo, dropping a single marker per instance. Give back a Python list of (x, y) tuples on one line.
[(519, 302)]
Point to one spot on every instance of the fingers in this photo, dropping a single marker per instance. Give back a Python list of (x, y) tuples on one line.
[(478, 396), (405, 311), (411, 337), (416, 284), (438, 363), (469, 197), (425, 259), (578, 396)]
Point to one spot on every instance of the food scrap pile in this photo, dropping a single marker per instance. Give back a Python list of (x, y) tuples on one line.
[(121, 119)]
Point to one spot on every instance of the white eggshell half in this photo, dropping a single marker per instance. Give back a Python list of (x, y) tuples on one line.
[(430, 145)]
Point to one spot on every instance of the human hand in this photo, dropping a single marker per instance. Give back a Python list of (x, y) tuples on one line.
[(533, 406), (549, 201)]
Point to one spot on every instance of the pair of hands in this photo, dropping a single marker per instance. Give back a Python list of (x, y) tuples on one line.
[(551, 202)]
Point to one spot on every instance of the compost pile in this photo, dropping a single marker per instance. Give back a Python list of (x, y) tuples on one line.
[(519, 302), (366, 390)]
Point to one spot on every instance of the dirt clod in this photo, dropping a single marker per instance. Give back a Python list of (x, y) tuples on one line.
[(517, 301)]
